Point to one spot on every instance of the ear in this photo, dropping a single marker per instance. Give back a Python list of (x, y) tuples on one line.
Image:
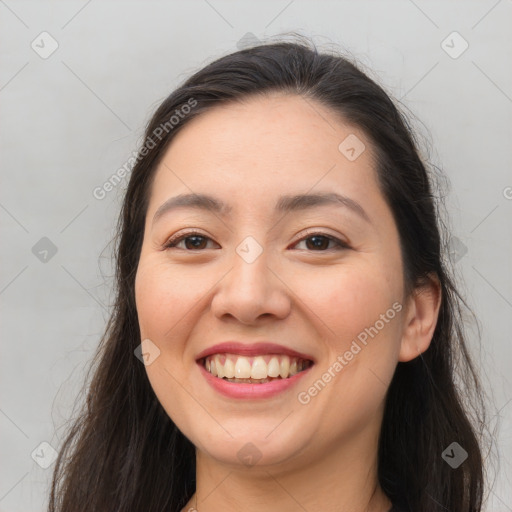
[(420, 318)]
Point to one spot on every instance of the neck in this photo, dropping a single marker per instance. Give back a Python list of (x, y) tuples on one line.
[(334, 480)]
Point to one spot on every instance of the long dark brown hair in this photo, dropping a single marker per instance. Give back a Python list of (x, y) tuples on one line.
[(122, 453)]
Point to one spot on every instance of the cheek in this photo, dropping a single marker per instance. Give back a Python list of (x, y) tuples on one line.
[(347, 299), (152, 298), (165, 300), (359, 307), (164, 297), (357, 310)]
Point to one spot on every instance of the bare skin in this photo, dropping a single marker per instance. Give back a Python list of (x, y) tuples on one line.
[(312, 454)]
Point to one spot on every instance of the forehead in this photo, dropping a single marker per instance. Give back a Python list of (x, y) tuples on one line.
[(253, 151)]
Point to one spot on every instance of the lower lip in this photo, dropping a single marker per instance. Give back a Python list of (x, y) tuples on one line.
[(245, 390)]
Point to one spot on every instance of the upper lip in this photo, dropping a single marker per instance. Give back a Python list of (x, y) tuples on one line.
[(251, 349)]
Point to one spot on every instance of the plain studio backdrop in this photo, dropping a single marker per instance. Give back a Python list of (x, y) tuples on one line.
[(79, 81)]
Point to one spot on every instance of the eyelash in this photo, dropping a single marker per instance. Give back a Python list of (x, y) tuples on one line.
[(173, 241)]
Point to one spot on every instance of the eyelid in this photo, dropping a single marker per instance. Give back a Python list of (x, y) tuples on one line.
[(320, 231), (342, 244), (178, 238)]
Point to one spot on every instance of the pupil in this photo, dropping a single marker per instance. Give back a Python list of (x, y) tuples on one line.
[(197, 241), (320, 241), (317, 242)]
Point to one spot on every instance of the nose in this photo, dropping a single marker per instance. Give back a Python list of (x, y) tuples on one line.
[(252, 291)]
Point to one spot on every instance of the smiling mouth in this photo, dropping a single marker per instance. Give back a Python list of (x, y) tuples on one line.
[(254, 370)]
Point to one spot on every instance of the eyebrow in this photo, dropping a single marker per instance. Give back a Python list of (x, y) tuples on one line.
[(288, 203)]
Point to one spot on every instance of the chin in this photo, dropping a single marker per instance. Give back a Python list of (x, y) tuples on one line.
[(251, 447)]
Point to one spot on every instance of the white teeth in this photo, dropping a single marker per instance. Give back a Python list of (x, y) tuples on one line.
[(284, 367), (242, 368), (259, 368), (219, 366), (273, 367), (237, 368), (229, 368), (213, 368)]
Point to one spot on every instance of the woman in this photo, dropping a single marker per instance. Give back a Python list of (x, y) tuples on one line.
[(282, 284)]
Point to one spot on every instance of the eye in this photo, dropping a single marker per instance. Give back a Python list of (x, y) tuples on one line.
[(321, 241), (196, 241)]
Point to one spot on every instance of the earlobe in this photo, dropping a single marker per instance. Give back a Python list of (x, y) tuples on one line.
[(421, 319)]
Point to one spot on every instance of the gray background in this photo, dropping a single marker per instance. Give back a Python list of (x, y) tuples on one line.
[(70, 120)]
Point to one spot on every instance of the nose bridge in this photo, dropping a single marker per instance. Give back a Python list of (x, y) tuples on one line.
[(250, 271), (251, 264), (251, 289), (249, 250)]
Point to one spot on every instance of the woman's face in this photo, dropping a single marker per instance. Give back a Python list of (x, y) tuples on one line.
[(262, 270)]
